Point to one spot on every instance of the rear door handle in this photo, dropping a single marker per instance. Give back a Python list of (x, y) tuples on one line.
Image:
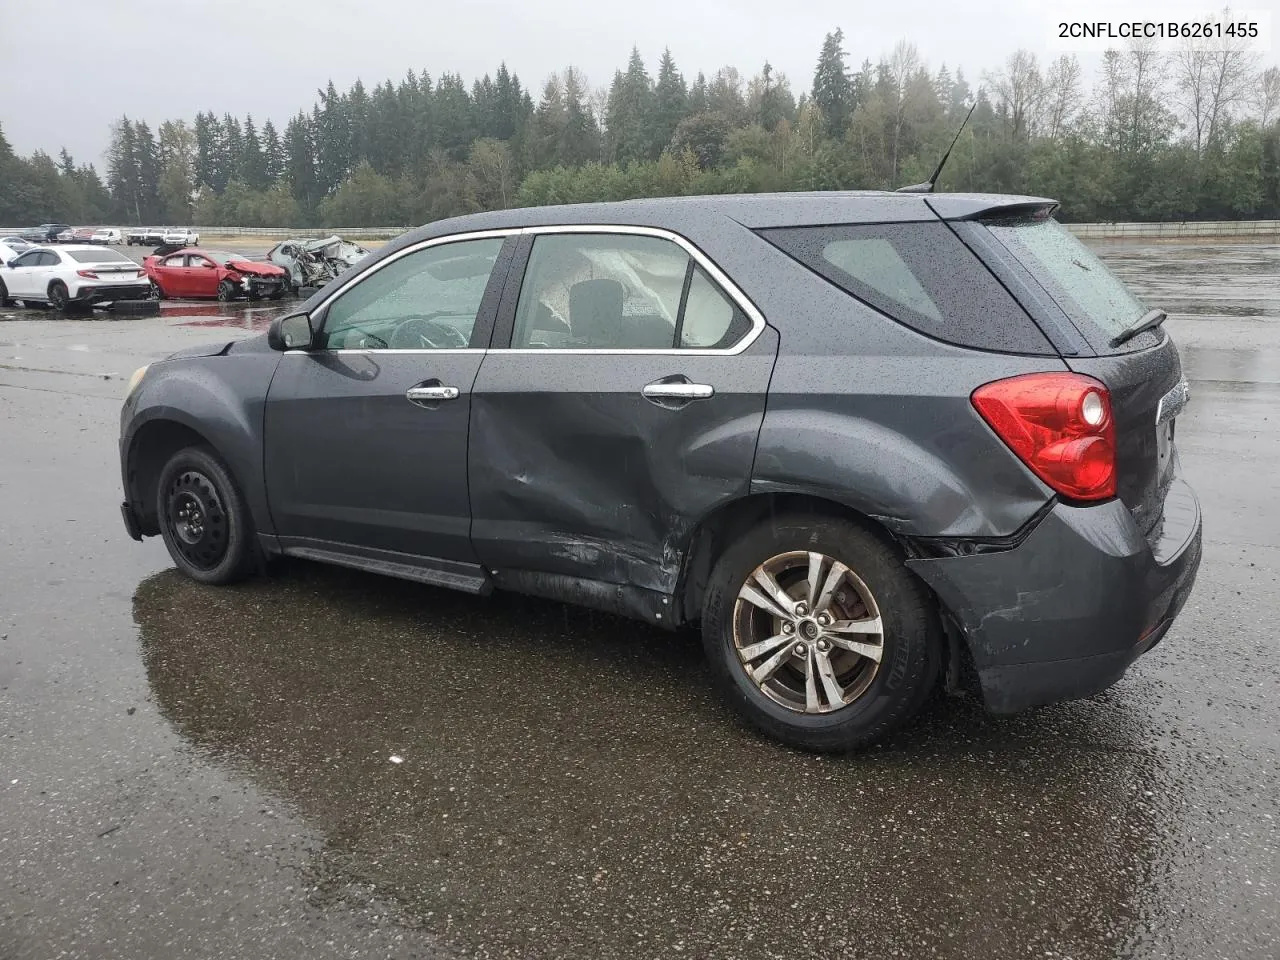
[(430, 395), (678, 391)]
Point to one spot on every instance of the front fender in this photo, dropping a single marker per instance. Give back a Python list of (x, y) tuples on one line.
[(221, 398)]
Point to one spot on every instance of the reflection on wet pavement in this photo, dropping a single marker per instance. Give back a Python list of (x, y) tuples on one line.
[(571, 787)]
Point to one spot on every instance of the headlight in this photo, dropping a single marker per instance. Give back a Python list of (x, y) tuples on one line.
[(136, 379)]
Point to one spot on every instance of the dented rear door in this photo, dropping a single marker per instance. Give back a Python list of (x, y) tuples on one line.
[(591, 463)]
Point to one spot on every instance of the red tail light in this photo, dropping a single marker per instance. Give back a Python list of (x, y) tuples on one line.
[(1059, 425), (87, 274)]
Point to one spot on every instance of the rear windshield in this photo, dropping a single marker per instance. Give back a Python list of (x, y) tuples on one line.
[(921, 275), (98, 256), (1080, 284)]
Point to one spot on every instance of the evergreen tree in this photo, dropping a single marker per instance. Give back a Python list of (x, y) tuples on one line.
[(630, 111), (272, 152), (671, 103), (832, 90), (253, 165)]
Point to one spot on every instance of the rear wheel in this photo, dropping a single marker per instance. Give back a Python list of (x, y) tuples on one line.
[(226, 291), (59, 298), (818, 634), (203, 518)]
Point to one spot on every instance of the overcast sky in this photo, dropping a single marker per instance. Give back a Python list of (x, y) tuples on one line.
[(70, 67)]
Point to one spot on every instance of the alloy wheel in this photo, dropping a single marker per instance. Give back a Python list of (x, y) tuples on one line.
[(808, 632)]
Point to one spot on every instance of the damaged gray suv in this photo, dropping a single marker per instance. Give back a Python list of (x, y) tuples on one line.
[(872, 443)]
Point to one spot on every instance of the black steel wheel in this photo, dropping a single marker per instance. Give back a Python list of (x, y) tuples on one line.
[(203, 519), (59, 298), (818, 634)]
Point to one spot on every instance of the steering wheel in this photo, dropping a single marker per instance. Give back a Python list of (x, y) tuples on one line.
[(425, 333)]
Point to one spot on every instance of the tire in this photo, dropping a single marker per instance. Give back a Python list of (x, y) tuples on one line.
[(4, 295), (203, 519), (878, 696), (59, 298), (226, 291)]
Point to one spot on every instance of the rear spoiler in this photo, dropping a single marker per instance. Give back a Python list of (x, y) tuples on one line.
[(990, 207)]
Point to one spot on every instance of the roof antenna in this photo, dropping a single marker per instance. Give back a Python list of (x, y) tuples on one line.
[(927, 186)]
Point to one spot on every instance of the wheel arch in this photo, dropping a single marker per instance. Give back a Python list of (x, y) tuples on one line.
[(730, 520), (150, 448)]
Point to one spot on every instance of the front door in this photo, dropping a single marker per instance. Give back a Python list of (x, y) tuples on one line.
[(625, 409), (366, 436), (26, 274)]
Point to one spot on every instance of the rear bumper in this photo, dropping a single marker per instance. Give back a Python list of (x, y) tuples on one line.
[(1062, 615), (115, 291)]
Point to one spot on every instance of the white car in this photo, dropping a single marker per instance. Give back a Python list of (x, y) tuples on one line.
[(107, 235), (78, 275), (11, 247), (181, 236)]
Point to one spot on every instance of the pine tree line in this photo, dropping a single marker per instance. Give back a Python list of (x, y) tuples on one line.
[(1195, 134)]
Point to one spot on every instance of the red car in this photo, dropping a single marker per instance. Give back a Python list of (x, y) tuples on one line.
[(195, 273)]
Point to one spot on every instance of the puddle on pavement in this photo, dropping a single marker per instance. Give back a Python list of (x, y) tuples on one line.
[(571, 786)]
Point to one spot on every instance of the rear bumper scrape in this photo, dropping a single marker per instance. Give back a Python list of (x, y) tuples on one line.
[(1062, 615)]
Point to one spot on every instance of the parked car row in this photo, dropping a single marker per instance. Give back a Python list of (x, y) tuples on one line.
[(155, 236)]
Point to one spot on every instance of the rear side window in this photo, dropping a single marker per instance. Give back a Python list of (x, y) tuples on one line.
[(921, 275)]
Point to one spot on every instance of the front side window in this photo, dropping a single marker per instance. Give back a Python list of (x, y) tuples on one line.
[(31, 259), (600, 291), (425, 300)]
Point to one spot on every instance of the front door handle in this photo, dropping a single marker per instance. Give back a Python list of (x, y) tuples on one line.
[(678, 390), (429, 396)]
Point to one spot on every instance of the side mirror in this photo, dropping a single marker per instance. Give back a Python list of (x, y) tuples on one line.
[(290, 333)]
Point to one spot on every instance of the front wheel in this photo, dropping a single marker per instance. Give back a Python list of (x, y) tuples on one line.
[(818, 634), (4, 295), (226, 291), (203, 518)]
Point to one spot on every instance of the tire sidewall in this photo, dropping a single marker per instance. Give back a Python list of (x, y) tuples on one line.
[(236, 561), (909, 634)]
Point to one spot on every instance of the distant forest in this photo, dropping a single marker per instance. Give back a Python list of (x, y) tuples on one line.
[(1189, 135)]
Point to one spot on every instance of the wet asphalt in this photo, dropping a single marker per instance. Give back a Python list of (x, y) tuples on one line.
[(201, 772)]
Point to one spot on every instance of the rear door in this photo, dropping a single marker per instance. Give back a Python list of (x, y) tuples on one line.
[(1144, 374), (366, 436), (620, 405)]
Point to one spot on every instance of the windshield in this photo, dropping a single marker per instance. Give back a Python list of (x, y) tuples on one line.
[(222, 256), (1087, 292)]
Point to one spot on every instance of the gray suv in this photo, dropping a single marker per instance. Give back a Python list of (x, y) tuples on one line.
[(872, 443)]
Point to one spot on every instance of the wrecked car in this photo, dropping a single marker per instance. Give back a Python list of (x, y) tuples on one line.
[(872, 443), (196, 273), (313, 263)]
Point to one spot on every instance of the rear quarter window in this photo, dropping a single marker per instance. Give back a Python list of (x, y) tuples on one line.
[(920, 275)]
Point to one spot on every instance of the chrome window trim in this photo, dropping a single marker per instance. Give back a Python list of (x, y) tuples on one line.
[(718, 276)]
